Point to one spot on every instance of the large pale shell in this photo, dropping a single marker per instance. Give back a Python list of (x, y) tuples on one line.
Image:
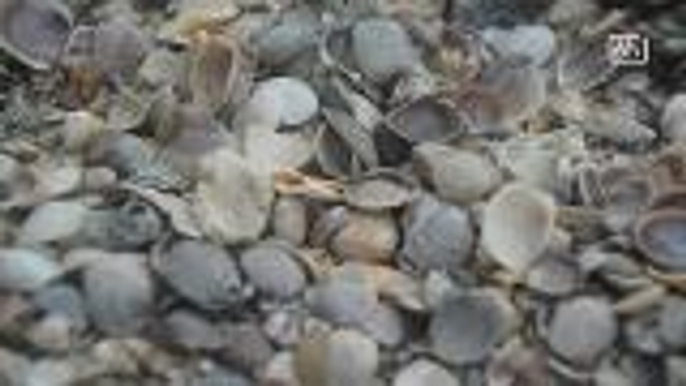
[(34, 31), (518, 223), (233, 202), (660, 235)]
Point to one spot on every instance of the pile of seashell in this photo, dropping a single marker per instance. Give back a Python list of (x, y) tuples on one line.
[(339, 193)]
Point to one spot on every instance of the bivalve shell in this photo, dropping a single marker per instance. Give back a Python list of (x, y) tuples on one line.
[(661, 236)]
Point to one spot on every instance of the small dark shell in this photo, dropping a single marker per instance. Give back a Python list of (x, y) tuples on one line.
[(423, 120), (34, 31), (661, 236)]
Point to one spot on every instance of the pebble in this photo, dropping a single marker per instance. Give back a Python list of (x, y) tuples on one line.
[(582, 329), (273, 270), (202, 273), (424, 372), (382, 49), (119, 294)]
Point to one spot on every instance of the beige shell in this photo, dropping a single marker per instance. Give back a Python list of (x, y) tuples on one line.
[(518, 223)]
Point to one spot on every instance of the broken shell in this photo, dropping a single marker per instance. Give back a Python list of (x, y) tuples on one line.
[(273, 269), (673, 121), (119, 293), (34, 31), (660, 236), (425, 120), (379, 191), (582, 329), (382, 48), (518, 223), (583, 65), (213, 72), (467, 328), (198, 16), (202, 273), (437, 236), (459, 176), (366, 237), (26, 270)]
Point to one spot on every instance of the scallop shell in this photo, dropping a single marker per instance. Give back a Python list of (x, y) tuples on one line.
[(518, 223), (34, 31), (660, 236)]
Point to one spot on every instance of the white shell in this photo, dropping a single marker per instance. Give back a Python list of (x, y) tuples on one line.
[(518, 223)]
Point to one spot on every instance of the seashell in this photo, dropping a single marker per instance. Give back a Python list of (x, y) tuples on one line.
[(293, 33), (424, 372), (618, 127), (133, 224), (233, 203), (64, 301), (272, 268), (287, 101), (379, 191), (34, 31), (424, 120), (246, 347), (344, 148), (213, 70), (658, 235), (26, 270), (293, 182), (467, 328), (518, 222), (128, 110), (53, 221), (459, 176), (370, 238), (673, 120), (309, 361), (553, 276), (352, 359), (119, 47), (531, 162), (192, 331), (534, 42), (396, 287), (625, 200), (79, 130), (437, 236), (52, 333), (161, 67), (119, 294), (202, 273), (382, 49), (386, 326), (354, 135), (582, 329), (289, 220)]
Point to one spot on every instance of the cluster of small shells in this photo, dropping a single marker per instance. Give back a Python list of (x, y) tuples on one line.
[(336, 193)]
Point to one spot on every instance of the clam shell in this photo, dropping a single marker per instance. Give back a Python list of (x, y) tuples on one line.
[(288, 101), (518, 222), (437, 236), (424, 120), (289, 220), (273, 269), (366, 237), (379, 191), (382, 48), (424, 372), (202, 273), (53, 221), (294, 32), (34, 31), (660, 235), (119, 293), (582, 329), (459, 176), (26, 270), (467, 328), (352, 359)]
